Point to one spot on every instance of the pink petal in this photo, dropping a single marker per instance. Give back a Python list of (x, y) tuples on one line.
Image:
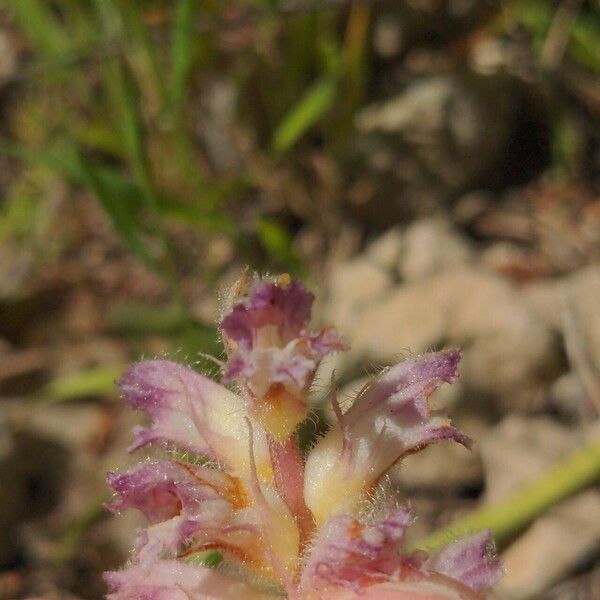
[(176, 580), (286, 307), (470, 560), (351, 554), (160, 489), (264, 367), (326, 341), (215, 528), (389, 419), (191, 509), (190, 411), (276, 379)]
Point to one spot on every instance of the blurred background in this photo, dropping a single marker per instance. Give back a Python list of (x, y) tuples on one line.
[(431, 168)]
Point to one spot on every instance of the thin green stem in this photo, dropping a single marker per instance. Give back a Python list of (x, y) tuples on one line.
[(573, 474)]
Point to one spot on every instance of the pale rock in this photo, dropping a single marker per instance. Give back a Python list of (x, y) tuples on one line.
[(353, 285), (552, 547), (517, 451), (568, 395), (501, 255), (387, 35), (440, 132), (411, 319), (73, 425), (385, 250), (430, 246), (506, 346), (581, 293), (519, 448), (580, 587), (442, 466)]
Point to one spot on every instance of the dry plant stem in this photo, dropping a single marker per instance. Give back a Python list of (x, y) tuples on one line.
[(560, 30), (576, 472)]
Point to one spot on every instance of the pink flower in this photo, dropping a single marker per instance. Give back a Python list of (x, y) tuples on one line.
[(284, 524), (272, 355)]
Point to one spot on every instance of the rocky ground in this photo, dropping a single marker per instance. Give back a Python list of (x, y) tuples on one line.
[(527, 392), (444, 194)]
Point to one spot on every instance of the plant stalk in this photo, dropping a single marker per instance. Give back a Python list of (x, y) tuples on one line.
[(509, 516)]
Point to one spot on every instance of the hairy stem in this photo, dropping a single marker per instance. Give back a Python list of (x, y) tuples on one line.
[(288, 473)]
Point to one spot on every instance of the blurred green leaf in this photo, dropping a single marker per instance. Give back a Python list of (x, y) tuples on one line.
[(115, 200), (64, 159), (126, 102), (278, 243), (584, 37), (142, 50), (210, 559), (119, 198), (212, 220), (135, 318), (126, 98), (74, 532), (101, 136), (59, 157), (354, 66), (76, 17), (183, 37), (585, 42), (17, 216), (566, 146), (99, 381), (186, 336), (315, 103), (535, 16), (42, 28)]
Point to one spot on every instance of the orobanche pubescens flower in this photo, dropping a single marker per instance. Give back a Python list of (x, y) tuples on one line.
[(234, 481)]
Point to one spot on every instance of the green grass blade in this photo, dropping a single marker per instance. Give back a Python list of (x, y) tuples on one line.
[(183, 51), (121, 210), (142, 49), (99, 381), (127, 98), (38, 23), (315, 103), (60, 158), (119, 198), (585, 42)]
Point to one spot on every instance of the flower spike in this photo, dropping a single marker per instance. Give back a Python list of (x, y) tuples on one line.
[(272, 355), (285, 524)]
